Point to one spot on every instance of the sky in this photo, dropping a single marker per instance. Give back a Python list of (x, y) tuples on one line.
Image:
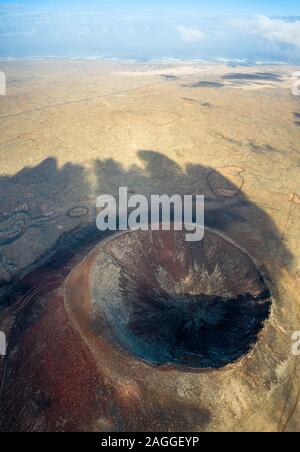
[(249, 30)]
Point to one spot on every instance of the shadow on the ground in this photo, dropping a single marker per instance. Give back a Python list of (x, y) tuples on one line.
[(47, 224), (258, 76), (44, 204), (205, 84)]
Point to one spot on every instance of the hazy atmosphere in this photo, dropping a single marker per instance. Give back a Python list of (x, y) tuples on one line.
[(249, 31)]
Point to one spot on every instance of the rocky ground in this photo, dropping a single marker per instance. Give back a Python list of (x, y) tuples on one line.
[(73, 130)]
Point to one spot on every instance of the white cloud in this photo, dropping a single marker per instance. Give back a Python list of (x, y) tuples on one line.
[(190, 34), (274, 30)]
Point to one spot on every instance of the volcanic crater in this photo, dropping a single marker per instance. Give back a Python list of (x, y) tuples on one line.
[(176, 303)]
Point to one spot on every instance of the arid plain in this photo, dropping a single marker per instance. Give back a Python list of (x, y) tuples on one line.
[(71, 130)]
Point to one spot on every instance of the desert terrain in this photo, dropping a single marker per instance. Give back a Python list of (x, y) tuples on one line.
[(71, 130)]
